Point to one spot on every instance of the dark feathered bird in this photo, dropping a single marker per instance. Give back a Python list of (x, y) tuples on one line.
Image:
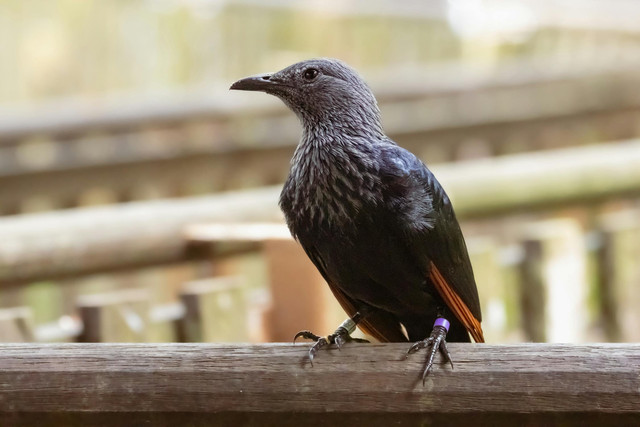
[(370, 215)]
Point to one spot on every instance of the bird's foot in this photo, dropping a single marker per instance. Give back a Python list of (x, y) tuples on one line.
[(435, 341), (341, 336)]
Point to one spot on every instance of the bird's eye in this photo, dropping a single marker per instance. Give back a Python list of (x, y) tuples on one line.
[(310, 73)]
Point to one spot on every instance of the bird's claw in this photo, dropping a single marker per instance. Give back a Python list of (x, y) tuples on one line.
[(419, 346), (308, 335), (340, 337), (436, 341)]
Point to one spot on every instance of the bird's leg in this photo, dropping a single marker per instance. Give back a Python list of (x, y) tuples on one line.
[(435, 341), (341, 336)]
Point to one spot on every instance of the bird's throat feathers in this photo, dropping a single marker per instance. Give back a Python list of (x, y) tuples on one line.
[(331, 181), (358, 118)]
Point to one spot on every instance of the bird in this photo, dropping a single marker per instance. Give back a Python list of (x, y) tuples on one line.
[(371, 216)]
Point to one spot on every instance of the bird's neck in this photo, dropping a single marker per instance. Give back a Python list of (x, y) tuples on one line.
[(344, 122)]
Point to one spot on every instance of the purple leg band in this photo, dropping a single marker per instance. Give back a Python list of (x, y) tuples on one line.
[(441, 321)]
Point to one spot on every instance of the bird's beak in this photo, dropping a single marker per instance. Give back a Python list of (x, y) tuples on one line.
[(261, 82)]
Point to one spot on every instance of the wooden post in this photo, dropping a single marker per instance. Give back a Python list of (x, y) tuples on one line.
[(532, 292), (215, 310), (119, 316), (274, 384), (606, 273), (300, 298), (553, 281), (16, 324), (494, 298), (619, 274)]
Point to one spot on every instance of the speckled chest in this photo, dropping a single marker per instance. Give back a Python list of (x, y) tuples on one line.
[(330, 186)]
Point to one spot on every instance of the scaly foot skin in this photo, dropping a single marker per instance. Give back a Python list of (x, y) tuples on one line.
[(436, 341), (341, 336)]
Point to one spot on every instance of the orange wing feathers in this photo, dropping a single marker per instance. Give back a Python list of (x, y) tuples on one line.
[(455, 303)]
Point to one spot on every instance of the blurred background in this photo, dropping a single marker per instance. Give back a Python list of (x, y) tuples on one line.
[(138, 196)]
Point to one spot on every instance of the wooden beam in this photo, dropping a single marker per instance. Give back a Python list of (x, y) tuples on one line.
[(89, 240), (61, 156), (582, 84), (542, 180), (214, 381)]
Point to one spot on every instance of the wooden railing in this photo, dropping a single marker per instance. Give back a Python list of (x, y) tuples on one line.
[(363, 384)]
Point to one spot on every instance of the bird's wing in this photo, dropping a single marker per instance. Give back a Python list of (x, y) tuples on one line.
[(434, 237), (377, 324), (456, 304)]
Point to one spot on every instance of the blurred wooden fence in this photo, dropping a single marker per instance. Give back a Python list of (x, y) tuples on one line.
[(535, 272), (540, 278), (68, 156)]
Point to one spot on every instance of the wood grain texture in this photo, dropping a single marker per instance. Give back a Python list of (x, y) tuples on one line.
[(277, 378)]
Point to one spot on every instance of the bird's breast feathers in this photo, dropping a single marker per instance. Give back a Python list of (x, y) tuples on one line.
[(351, 185)]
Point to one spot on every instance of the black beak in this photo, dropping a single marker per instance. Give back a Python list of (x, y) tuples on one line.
[(260, 82)]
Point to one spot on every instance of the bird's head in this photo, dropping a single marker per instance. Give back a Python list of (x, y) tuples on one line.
[(322, 92)]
